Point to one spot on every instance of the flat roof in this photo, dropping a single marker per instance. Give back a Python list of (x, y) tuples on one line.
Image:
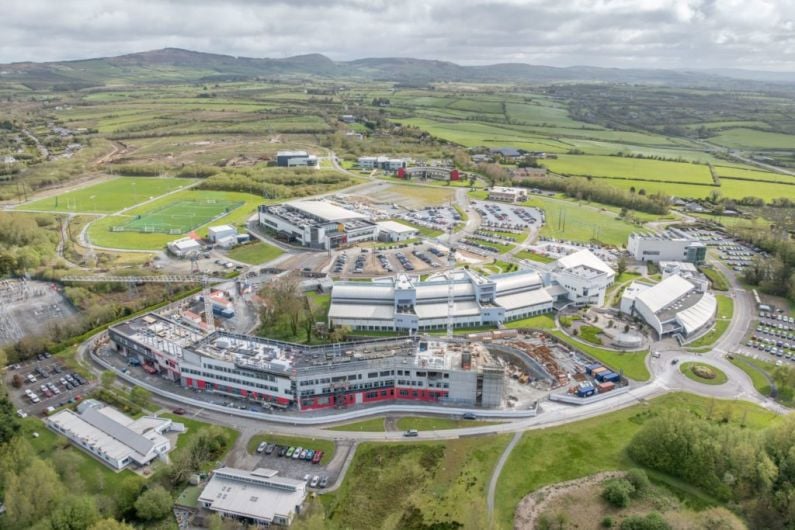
[(394, 226), (292, 153), (258, 494), (222, 228), (584, 258), (325, 210)]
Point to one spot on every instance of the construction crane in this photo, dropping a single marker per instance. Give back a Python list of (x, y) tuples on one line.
[(205, 280), (450, 292)]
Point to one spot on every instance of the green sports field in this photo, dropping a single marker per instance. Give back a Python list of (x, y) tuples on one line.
[(179, 217), (109, 196)]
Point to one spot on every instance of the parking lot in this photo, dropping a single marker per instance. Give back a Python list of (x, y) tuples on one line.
[(416, 257), (43, 383), (774, 335), (497, 216), (283, 459), (434, 217), (738, 256)]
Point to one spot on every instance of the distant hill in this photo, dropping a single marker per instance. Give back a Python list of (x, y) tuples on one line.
[(173, 64)]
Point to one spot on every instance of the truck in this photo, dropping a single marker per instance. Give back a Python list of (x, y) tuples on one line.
[(585, 389), (605, 387), (591, 367), (596, 371)]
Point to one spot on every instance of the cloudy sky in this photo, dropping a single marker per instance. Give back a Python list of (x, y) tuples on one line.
[(757, 34)]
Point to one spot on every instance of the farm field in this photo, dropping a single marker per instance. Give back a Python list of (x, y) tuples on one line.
[(109, 196), (743, 138), (586, 447), (629, 168), (100, 233), (753, 174)]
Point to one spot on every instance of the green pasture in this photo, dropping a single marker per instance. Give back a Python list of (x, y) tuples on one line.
[(631, 168), (743, 138)]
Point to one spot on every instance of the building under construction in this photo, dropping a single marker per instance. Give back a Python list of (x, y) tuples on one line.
[(287, 375)]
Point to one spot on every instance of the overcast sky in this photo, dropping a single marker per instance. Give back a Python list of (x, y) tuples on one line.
[(755, 34)]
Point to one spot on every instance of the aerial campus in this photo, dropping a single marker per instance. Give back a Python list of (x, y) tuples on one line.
[(386, 296)]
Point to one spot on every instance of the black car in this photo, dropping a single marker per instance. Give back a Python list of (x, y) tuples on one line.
[(469, 416), (282, 450)]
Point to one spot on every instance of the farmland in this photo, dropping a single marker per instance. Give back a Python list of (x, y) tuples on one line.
[(630, 168)]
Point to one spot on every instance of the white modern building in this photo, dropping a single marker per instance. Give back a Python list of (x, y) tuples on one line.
[(501, 193), (382, 162), (395, 231), (113, 438), (666, 247), (674, 306), (317, 224), (407, 303), (581, 278), (295, 159), (217, 233), (184, 247), (258, 497)]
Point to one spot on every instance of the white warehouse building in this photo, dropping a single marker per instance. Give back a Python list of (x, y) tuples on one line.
[(113, 438), (674, 306), (667, 247), (394, 231)]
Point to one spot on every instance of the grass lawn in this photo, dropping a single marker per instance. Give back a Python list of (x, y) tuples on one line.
[(433, 423), (424, 230), (255, 253), (590, 334), (756, 370), (574, 221), (725, 311), (586, 447), (545, 321), (110, 196), (532, 256), (100, 234), (718, 280), (327, 446), (399, 485), (688, 370), (502, 248), (369, 425), (632, 363)]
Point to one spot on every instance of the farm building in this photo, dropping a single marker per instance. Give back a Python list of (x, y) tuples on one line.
[(183, 248), (259, 496), (317, 224), (113, 438), (295, 159), (674, 306), (507, 152), (394, 231), (501, 193)]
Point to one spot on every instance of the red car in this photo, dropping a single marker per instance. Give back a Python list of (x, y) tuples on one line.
[(317, 457)]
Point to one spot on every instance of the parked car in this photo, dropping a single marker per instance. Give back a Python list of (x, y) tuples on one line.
[(297, 453), (282, 450), (261, 447), (323, 481), (269, 449), (317, 457), (22, 414), (309, 455), (289, 452), (315, 481), (179, 411)]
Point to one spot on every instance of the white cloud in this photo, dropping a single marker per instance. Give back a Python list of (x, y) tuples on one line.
[(663, 33)]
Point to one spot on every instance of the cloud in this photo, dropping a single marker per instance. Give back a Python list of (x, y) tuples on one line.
[(625, 33)]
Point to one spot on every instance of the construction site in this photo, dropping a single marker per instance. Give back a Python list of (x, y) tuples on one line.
[(29, 307)]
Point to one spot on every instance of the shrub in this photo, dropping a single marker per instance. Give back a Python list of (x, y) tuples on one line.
[(618, 492), (639, 480), (607, 522), (652, 521)]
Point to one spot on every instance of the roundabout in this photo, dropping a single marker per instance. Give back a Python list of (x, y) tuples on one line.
[(703, 373)]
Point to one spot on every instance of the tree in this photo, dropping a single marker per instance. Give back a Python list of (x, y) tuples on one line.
[(652, 521), (310, 307), (22, 506), (110, 524), (153, 504), (140, 396), (108, 378), (74, 513), (621, 265), (339, 333), (9, 423), (282, 301), (17, 381)]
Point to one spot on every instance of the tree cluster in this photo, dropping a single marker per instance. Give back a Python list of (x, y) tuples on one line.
[(755, 470)]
